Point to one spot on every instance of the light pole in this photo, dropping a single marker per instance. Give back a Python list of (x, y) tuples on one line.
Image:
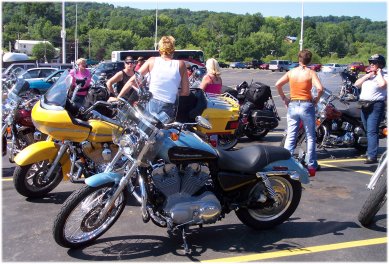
[(156, 27), (63, 33)]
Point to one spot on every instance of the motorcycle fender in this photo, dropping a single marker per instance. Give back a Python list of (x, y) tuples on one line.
[(103, 178), (43, 150), (292, 165)]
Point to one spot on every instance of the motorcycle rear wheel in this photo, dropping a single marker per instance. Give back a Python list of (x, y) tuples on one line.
[(29, 179), (227, 142), (77, 225), (288, 195), (256, 134), (374, 202)]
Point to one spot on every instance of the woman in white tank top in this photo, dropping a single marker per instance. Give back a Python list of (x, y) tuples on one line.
[(166, 76)]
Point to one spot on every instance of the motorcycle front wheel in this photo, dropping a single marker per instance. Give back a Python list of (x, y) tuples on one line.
[(256, 133), (30, 180), (374, 202), (288, 195), (78, 223)]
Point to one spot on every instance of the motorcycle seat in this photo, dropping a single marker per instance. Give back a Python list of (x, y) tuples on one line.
[(250, 159), (352, 112)]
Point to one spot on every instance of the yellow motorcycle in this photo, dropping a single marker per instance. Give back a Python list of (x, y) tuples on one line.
[(79, 143), (221, 110)]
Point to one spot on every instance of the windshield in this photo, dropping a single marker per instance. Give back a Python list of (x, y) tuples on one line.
[(18, 88), (57, 94)]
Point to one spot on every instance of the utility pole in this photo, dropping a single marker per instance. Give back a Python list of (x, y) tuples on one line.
[(156, 27), (75, 40), (63, 33), (302, 25), (89, 46)]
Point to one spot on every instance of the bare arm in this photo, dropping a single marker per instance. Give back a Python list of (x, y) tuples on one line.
[(204, 82), (184, 80), (319, 88), (114, 79), (364, 78), (380, 79), (279, 84)]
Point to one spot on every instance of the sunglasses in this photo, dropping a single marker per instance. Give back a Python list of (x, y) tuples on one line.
[(373, 62), (129, 62)]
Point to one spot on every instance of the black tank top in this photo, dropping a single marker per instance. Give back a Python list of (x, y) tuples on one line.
[(123, 81)]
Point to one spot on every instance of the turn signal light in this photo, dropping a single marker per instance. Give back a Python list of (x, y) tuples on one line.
[(385, 131), (174, 136), (9, 130)]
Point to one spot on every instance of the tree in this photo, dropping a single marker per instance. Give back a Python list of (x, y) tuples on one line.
[(39, 51)]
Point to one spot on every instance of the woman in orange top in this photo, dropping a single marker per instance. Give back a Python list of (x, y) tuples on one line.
[(301, 105)]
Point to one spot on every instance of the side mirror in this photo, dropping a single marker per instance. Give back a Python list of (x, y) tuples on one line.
[(201, 121)]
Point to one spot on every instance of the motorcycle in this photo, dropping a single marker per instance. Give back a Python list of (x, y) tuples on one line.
[(16, 123), (258, 112), (335, 127), (377, 196), (221, 110), (348, 92), (78, 146), (183, 182)]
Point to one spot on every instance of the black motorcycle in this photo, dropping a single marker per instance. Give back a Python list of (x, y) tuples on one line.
[(348, 92), (258, 112)]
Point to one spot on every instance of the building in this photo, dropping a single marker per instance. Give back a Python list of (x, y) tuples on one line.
[(25, 46)]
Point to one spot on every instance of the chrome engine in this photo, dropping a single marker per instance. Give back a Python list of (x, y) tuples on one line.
[(179, 187), (347, 139)]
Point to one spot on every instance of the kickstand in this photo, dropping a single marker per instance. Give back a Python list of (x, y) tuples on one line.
[(186, 245)]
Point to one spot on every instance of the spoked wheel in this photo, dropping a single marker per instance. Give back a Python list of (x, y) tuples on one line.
[(22, 140), (227, 142), (79, 222), (288, 195), (31, 181)]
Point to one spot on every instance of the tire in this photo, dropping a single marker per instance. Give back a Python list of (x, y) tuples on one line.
[(257, 134), (28, 180), (73, 226), (226, 142), (288, 195), (194, 68), (374, 202), (359, 147), (281, 69), (273, 70)]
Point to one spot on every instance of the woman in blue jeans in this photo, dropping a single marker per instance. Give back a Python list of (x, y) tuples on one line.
[(374, 92), (301, 105)]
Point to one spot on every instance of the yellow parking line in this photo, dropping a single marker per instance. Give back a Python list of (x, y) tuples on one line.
[(343, 160), (301, 251), (333, 166), (7, 179)]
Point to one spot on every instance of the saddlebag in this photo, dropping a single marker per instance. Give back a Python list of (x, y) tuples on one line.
[(258, 93), (264, 118)]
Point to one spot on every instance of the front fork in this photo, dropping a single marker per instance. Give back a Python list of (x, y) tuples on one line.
[(61, 152)]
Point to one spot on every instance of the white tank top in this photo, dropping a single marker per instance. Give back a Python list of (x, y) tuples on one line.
[(165, 79)]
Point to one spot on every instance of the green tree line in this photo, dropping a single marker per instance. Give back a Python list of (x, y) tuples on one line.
[(102, 28)]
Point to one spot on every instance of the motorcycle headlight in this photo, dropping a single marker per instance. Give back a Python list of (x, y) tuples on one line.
[(128, 143)]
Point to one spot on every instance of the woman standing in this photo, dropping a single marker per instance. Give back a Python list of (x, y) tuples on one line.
[(212, 82), (81, 74), (166, 76), (373, 95)]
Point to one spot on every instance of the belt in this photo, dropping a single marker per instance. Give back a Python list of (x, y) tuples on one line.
[(301, 101)]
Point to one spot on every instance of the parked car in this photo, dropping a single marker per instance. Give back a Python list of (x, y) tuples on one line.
[(42, 85), (332, 68), (264, 66), (17, 68), (107, 67), (292, 66), (223, 64), (237, 65), (357, 67), (279, 65), (315, 67), (37, 73), (253, 64)]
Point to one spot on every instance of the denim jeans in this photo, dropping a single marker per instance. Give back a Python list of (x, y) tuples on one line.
[(371, 118), (156, 106), (305, 112)]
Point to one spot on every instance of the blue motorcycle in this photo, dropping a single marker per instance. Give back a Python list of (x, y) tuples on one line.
[(180, 181)]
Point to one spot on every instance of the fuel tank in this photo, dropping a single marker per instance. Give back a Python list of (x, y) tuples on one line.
[(188, 148), (58, 124), (101, 131)]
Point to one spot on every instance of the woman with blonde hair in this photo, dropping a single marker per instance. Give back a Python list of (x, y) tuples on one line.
[(166, 76), (81, 73), (212, 82)]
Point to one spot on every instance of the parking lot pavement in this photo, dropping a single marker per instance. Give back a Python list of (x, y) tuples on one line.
[(324, 227)]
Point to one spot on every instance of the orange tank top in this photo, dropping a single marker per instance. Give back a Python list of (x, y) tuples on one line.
[(300, 90)]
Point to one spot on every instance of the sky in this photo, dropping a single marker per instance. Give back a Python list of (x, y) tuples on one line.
[(376, 10)]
